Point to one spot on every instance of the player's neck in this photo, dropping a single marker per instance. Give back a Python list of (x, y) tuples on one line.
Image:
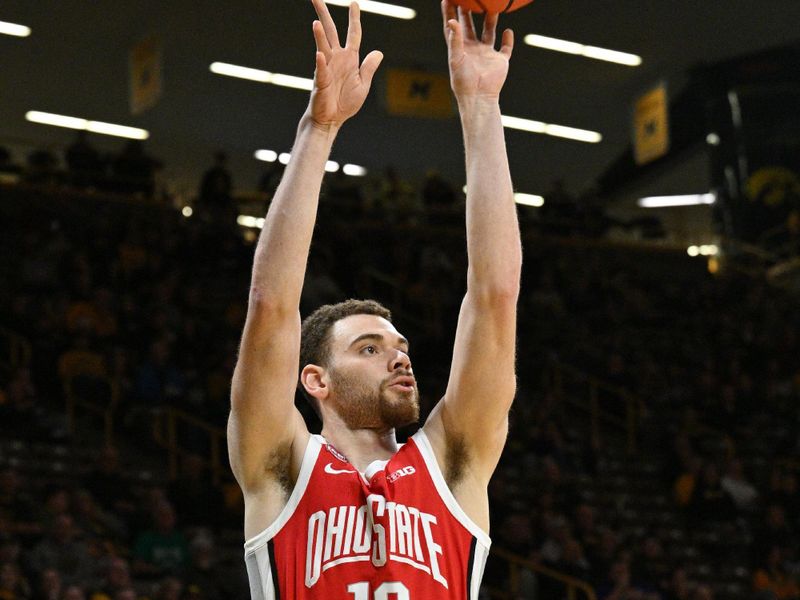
[(361, 446)]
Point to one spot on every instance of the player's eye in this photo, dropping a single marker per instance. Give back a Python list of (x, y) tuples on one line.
[(369, 349)]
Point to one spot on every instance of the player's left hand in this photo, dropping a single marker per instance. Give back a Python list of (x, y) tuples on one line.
[(476, 68)]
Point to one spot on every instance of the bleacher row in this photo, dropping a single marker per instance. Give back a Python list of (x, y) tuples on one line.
[(587, 485)]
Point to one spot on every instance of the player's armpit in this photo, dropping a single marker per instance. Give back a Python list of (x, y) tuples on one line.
[(482, 381), (263, 416)]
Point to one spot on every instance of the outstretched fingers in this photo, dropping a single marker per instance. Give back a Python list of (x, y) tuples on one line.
[(455, 39), (354, 28), (467, 24), (489, 28), (507, 43), (448, 14), (327, 23), (321, 39), (371, 63)]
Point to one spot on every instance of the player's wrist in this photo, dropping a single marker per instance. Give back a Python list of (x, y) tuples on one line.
[(478, 109), (313, 125)]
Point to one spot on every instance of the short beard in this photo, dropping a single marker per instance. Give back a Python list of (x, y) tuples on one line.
[(362, 407)]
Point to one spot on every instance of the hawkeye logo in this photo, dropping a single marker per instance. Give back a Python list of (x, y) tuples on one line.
[(376, 532)]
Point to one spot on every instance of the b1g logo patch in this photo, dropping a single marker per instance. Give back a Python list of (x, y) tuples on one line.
[(409, 470)]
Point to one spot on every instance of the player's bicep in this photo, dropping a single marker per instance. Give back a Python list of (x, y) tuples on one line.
[(263, 416), (482, 380)]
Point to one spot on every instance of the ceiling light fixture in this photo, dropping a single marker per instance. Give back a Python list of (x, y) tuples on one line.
[(44, 118), (266, 155), (14, 29), (290, 81), (378, 8), (572, 133), (354, 170), (548, 43), (529, 199), (684, 200)]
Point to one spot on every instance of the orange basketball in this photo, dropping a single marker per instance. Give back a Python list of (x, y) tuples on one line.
[(492, 6)]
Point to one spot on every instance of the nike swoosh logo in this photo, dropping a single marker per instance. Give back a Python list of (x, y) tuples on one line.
[(329, 469)]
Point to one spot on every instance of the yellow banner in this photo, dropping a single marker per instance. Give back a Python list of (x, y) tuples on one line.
[(418, 94), (651, 125), (144, 65)]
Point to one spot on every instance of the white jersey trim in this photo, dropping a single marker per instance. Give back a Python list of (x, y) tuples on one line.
[(446, 495), (306, 468)]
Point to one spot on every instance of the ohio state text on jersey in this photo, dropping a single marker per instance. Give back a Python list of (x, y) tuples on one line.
[(393, 533)]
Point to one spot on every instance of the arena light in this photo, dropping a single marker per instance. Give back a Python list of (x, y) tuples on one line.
[(133, 133), (250, 221), (187, 211), (14, 29), (572, 133), (683, 200), (266, 155), (379, 8), (703, 250), (529, 199), (44, 118), (354, 170), (290, 81), (284, 157), (331, 166), (615, 56)]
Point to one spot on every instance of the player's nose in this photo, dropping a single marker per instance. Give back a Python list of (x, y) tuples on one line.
[(400, 361)]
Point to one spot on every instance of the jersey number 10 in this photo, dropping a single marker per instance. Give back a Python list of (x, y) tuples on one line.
[(360, 591)]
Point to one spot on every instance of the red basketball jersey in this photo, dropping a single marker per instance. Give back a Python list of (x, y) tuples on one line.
[(394, 532)]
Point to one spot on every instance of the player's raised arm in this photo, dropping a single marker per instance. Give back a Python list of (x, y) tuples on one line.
[(482, 380), (263, 418)]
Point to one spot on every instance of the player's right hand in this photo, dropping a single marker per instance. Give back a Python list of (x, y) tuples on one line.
[(340, 85)]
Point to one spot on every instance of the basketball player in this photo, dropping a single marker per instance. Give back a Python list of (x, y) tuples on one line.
[(350, 514)]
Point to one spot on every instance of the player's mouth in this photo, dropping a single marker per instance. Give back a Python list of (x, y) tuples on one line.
[(404, 384)]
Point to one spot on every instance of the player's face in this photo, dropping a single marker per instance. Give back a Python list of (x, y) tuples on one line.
[(372, 384)]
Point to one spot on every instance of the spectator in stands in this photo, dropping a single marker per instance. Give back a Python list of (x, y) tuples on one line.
[(773, 531), (343, 198), (195, 482), (678, 587), (42, 167), (107, 482), (440, 200), (215, 197), (16, 505), (13, 585), (64, 551), (103, 530), (205, 572), (743, 493), (163, 549), (9, 171), (703, 592), (74, 592), (169, 588), (710, 503), (158, 380), (50, 586), (116, 579), (84, 163), (772, 577), (126, 594), (650, 565), (133, 171)]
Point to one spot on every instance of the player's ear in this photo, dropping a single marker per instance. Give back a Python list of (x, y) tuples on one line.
[(315, 381)]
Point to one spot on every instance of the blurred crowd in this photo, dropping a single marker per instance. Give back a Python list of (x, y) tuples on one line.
[(154, 301)]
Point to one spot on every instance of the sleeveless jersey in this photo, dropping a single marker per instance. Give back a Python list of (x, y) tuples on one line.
[(394, 532)]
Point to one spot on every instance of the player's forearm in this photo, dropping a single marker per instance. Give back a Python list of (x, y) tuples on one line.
[(493, 237), (282, 252)]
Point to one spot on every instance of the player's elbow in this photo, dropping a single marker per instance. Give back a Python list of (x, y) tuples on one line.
[(268, 303)]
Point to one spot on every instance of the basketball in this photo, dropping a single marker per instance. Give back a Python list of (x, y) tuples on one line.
[(492, 6)]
